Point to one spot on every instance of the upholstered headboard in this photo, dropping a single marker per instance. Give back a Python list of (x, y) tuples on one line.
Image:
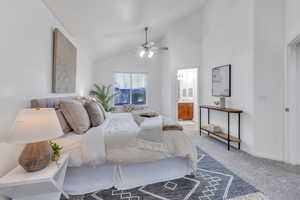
[(51, 102)]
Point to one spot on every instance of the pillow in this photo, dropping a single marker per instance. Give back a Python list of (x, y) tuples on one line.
[(95, 113), (172, 128), (63, 122), (127, 108), (103, 110), (76, 115), (82, 100), (132, 108)]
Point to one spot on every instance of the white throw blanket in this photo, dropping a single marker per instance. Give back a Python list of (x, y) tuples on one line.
[(151, 135), (87, 149), (93, 147)]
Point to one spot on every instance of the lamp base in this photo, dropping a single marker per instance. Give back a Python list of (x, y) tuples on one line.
[(36, 156)]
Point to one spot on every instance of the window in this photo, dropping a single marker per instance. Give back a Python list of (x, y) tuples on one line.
[(131, 88)]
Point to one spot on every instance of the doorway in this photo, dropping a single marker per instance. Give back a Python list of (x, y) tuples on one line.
[(187, 98), (292, 101)]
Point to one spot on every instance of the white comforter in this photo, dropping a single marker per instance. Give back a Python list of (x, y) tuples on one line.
[(121, 143), (115, 142)]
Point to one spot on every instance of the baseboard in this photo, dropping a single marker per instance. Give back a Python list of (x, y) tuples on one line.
[(270, 157), (292, 163), (262, 155), (266, 156)]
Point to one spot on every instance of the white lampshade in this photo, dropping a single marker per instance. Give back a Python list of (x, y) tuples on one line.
[(35, 125)]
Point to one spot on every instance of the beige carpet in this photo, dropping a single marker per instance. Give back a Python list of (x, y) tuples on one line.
[(277, 180)]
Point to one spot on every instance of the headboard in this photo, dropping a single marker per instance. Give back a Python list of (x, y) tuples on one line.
[(52, 102)]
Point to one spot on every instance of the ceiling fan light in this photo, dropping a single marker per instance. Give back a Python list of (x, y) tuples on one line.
[(150, 54), (142, 53)]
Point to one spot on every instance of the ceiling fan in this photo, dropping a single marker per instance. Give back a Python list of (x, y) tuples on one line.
[(148, 47)]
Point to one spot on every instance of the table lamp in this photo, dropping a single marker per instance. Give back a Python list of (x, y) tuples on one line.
[(35, 127)]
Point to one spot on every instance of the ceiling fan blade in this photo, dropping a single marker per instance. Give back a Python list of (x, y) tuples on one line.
[(159, 48)]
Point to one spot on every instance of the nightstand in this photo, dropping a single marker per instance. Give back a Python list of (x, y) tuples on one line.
[(46, 184)]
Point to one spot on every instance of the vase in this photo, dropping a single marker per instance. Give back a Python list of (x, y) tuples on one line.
[(222, 102)]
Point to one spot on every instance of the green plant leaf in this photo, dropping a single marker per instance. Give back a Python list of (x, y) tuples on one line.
[(104, 95)]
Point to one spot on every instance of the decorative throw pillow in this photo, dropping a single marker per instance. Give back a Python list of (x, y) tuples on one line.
[(63, 122), (127, 108), (132, 108), (103, 110), (172, 128), (95, 113), (82, 99), (76, 115)]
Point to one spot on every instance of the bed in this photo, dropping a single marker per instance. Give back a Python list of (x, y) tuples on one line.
[(106, 156)]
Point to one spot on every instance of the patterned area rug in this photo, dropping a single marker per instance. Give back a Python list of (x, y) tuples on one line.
[(212, 181)]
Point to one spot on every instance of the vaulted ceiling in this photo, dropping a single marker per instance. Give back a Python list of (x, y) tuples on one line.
[(104, 27)]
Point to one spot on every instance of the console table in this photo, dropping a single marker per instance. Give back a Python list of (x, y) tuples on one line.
[(222, 135)]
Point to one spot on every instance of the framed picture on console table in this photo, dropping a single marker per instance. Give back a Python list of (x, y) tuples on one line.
[(221, 81)]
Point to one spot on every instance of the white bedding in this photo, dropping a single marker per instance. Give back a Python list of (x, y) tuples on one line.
[(125, 151), (115, 142), (71, 144), (87, 149), (120, 131), (86, 179)]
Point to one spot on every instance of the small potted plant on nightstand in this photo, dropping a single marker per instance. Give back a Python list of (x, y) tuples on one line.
[(56, 151)]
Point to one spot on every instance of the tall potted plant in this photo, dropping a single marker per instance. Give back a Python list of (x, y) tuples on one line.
[(104, 95)]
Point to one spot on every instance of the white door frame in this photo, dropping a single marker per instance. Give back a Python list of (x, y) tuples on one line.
[(290, 143), (176, 90)]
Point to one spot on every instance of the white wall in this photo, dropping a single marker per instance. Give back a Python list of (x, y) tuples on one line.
[(250, 36), (211, 37), (131, 62), (166, 82), (26, 64), (269, 78), (292, 19), (184, 52), (228, 39), (296, 148)]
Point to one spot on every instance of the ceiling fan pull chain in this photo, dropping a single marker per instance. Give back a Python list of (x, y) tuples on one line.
[(146, 29)]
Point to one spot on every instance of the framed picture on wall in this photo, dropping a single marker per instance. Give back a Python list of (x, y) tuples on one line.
[(64, 64), (221, 81)]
